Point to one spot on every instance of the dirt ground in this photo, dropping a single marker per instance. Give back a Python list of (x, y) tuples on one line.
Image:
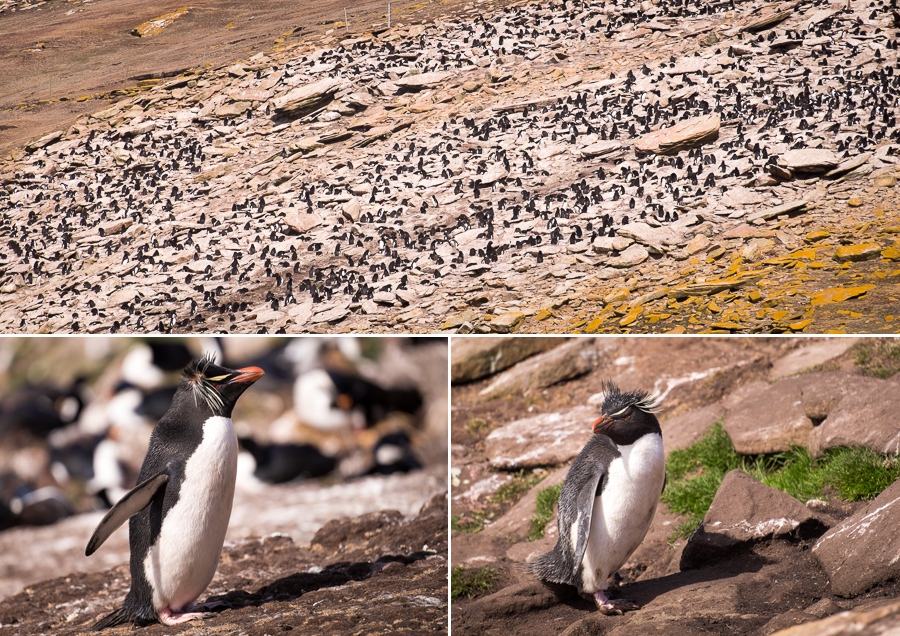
[(54, 54), (771, 585)]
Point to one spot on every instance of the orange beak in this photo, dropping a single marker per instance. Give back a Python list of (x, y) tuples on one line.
[(249, 375), (602, 423)]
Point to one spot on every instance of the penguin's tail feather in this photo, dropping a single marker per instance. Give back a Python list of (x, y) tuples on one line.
[(553, 567), (117, 617), (130, 612)]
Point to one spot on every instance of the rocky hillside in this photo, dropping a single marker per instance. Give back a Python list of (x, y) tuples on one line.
[(760, 560), (594, 166), (371, 574)]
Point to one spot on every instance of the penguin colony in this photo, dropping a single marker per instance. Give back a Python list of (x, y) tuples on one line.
[(178, 512), (609, 498), (177, 218)]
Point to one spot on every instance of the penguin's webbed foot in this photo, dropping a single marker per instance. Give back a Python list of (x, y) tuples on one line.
[(613, 607), (168, 617)]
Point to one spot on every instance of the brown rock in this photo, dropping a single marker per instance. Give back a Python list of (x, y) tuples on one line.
[(549, 439), (743, 511), (884, 619), (683, 135), (809, 160), (307, 97), (810, 355), (865, 417), (769, 421), (683, 430), (301, 222), (768, 21), (570, 360), (423, 80), (475, 358), (862, 551)]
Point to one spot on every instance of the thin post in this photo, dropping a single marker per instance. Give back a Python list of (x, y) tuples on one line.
[(389, 15), (346, 24)]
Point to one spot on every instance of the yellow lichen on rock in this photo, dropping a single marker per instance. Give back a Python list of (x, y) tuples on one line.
[(854, 253), (838, 294), (156, 25)]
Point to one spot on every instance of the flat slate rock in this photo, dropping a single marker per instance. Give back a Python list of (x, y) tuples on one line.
[(683, 135), (861, 552), (476, 358), (811, 355), (548, 439), (683, 430), (810, 160), (769, 421), (866, 417), (570, 360), (743, 511)]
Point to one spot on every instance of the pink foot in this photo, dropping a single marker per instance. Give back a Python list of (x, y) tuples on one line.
[(168, 617), (612, 607)]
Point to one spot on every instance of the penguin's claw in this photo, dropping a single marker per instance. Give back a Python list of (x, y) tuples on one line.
[(613, 607)]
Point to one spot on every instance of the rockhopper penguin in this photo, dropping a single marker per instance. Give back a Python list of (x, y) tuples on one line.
[(180, 508), (609, 498)]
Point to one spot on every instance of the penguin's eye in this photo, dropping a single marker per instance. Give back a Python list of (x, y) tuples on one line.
[(218, 378)]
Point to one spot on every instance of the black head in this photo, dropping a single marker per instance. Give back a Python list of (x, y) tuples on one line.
[(215, 389), (626, 417)]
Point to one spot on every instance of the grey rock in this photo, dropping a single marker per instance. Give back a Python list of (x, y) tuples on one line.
[(810, 160)]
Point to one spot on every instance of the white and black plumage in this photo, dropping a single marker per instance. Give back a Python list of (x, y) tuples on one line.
[(609, 498), (179, 510)]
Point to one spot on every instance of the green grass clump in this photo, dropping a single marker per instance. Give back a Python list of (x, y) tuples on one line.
[(512, 490), (471, 523), (543, 511), (469, 583), (695, 474), (878, 357)]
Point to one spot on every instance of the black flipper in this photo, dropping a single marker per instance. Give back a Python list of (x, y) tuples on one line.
[(132, 503), (589, 491)]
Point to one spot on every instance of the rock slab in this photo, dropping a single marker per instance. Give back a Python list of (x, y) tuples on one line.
[(682, 136), (862, 551), (570, 360), (476, 358), (743, 511), (549, 439)]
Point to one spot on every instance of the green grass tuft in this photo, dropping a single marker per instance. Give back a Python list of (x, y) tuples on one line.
[(468, 583), (543, 511), (696, 472), (511, 491), (878, 357), (470, 523)]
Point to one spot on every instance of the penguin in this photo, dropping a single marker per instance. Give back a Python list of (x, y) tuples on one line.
[(608, 498), (178, 512), (393, 454)]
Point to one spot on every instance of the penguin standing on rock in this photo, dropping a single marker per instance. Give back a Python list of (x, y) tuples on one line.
[(180, 508), (609, 498)]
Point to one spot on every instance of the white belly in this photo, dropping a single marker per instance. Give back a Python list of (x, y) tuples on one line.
[(622, 515), (184, 558)]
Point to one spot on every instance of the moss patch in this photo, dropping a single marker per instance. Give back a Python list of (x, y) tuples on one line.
[(695, 474), (469, 583)]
